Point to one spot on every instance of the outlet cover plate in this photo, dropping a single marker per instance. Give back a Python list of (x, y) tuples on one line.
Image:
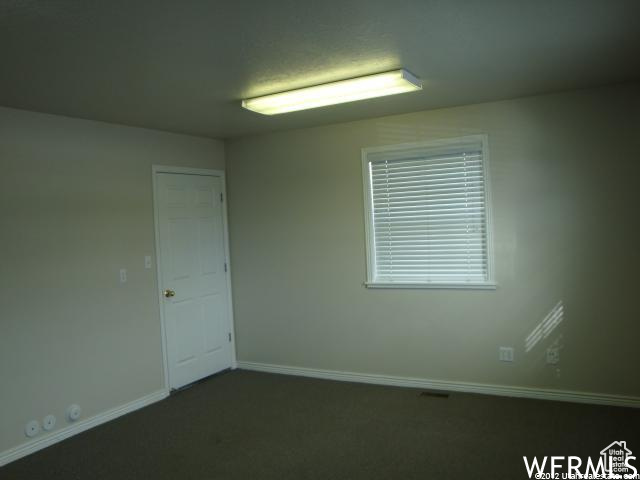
[(505, 354)]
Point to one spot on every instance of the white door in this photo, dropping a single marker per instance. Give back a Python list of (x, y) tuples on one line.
[(193, 274)]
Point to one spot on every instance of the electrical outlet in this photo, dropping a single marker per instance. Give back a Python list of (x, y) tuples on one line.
[(505, 354), (553, 355)]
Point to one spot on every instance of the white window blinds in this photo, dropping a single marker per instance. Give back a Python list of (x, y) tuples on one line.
[(428, 213)]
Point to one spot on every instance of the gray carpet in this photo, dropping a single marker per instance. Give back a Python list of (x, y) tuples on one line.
[(247, 425)]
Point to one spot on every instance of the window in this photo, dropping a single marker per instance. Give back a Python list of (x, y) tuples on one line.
[(428, 214)]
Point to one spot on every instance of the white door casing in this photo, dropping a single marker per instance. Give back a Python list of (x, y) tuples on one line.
[(193, 267)]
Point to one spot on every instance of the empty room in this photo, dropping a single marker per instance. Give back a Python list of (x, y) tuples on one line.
[(357, 239)]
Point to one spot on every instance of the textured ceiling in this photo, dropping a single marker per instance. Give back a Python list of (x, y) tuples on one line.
[(183, 66)]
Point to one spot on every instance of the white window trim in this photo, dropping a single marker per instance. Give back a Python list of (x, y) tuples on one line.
[(371, 282)]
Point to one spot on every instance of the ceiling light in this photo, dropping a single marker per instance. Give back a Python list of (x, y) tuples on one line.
[(378, 85)]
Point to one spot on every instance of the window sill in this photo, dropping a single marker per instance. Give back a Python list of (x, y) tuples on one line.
[(440, 286)]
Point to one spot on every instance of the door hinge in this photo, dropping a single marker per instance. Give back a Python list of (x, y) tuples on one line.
[(229, 336), (221, 198), (225, 266)]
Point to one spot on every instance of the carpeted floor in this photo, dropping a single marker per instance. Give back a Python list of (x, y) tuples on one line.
[(247, 425)]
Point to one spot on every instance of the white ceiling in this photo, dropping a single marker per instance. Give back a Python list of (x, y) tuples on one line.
[(184, 65)]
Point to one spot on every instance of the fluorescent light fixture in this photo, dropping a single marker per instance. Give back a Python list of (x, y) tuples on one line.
[(378, 85)]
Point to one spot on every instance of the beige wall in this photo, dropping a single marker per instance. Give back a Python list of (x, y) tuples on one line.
[(564, 171), (75, 207)]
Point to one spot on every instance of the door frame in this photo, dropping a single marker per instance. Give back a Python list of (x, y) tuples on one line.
[(155, 169)]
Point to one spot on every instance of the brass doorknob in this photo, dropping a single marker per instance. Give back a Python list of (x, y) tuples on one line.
[(169, 293)]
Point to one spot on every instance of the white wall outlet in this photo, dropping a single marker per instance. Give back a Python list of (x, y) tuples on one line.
[(505, 354), (147, 261), (49, 422), (73, 412), (32, 428), (123, 275), (553, 355)]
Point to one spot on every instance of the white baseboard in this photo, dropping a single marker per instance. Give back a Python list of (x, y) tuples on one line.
[(486, 389), (80, 426)]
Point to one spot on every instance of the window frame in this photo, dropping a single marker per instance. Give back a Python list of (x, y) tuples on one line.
[(371, 281)]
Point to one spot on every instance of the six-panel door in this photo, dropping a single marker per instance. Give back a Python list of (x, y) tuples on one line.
[(193, 283)]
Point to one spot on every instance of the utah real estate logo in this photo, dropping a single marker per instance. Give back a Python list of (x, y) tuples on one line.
[(615, 461)]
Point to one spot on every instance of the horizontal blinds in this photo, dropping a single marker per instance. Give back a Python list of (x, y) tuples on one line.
[(429, 216)]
